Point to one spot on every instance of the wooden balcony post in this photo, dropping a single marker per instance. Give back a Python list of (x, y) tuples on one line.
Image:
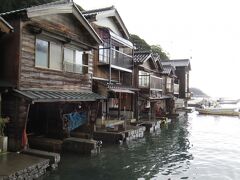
[(119, 105)]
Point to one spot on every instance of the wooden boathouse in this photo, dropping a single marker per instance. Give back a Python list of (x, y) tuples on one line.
[(48, 60), (113, 76), (182, 69)]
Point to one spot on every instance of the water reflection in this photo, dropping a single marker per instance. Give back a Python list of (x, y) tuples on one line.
[(161, 154), (193, 147)]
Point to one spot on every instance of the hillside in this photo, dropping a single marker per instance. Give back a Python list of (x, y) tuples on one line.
[(197, 92)]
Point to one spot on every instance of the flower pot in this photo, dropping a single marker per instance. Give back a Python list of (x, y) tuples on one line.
[(3, 143)]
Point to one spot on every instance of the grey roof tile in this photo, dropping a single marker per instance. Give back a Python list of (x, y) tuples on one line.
[(58, 96)]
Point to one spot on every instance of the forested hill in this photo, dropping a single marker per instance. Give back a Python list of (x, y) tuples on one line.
[(198, 93)]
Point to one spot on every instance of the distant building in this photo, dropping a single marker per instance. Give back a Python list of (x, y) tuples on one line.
[(182, 67), (151, 100)]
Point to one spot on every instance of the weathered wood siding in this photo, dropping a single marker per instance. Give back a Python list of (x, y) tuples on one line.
[(48, 79), (108, 22), (68, 24), (148, 65)]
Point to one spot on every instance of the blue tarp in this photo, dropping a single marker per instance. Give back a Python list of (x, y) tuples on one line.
[(75, 120)]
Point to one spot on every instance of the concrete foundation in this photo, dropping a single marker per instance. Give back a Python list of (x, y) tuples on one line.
[(53, 157), (22, 166), (80, 146)]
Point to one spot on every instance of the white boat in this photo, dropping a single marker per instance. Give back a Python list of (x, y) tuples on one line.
[(219, 111)]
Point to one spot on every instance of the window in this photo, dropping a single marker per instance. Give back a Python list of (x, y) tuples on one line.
[(48, 55), (55, 56), (68, 55), (41, 53), (73, 61), (143, 79), (103, 54), (52, 55), (79, 62)]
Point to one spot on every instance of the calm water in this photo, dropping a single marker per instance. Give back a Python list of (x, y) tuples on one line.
[(194, 147)]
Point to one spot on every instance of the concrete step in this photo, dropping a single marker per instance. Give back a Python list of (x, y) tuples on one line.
[(53, 157), (22, 166), (80, 146)]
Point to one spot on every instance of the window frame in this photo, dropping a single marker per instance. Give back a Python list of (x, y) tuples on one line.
[(50, 41)]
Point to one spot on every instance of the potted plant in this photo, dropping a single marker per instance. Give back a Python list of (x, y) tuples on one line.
[(3, 138)]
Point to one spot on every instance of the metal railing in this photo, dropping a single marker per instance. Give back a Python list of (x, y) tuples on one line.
[(75, 68), (118, 58), (149, 81)]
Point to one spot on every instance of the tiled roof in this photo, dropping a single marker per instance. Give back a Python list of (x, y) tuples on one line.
[(37, 7), (167, 69), (109, 12), (61, 6), (58, 96), (177, 63), (140, 57)]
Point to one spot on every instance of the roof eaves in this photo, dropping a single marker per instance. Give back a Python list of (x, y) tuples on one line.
[(96, 12), (89, 27), (8, 28)]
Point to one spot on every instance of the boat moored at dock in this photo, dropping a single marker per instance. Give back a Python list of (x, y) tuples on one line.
[(219, 111)]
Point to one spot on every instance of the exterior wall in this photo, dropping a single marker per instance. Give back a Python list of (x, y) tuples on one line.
[(108, 22), (65, 23), (180, 72), (41, 78)]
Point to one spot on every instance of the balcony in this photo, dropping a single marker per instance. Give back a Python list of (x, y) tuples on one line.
[(150, 82), (117, 58), (176, 88)]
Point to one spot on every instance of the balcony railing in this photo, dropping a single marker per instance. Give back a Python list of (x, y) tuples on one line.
[(118, 58), (176, 88), (149, 81), (75, 68)]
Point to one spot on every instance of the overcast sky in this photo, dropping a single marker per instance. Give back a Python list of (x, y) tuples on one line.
[(207, 31)]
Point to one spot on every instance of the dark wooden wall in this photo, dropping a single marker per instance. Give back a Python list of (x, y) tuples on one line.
[(180, 72), (17, 110), (9, 54)]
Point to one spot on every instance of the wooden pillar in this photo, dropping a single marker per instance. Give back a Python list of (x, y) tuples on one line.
[(136, 108), (107, 113), (119, 105)]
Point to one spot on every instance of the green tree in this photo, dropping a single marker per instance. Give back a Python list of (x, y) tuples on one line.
[(158, 50), (139, 43), (142, 45)]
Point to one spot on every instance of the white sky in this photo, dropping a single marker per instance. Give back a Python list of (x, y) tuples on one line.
[(206, 30)]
